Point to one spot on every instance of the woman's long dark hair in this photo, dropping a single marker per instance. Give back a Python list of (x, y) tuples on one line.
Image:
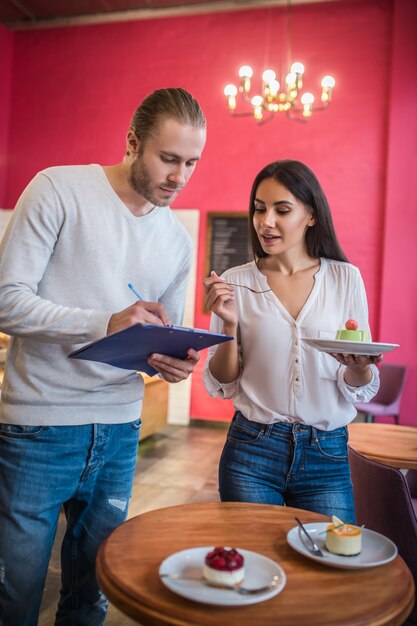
[(321, 238)]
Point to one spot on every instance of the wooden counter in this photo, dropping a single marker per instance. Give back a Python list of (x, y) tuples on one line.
[(155, 406)]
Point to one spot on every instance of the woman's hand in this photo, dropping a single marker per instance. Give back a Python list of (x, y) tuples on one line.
[(220, 299), (357, 372)]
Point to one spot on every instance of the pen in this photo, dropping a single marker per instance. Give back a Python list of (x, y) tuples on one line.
[(139, 297), (137, 294)]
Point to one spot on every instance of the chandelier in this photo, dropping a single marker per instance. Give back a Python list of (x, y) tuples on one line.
[(276, 97)]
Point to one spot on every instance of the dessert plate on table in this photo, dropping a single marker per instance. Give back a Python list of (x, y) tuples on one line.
[(259, 571), (341, 346), (376, 549)]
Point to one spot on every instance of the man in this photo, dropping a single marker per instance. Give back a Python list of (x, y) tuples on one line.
[(68, 428)]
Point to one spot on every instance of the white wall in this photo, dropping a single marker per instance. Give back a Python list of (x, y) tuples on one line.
[(179, 396), (4, 219)]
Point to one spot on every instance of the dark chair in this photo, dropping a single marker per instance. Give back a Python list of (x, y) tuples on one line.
[(384, 503), (387, 400)]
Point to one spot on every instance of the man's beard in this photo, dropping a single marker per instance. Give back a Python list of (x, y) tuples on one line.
[(141, 182)]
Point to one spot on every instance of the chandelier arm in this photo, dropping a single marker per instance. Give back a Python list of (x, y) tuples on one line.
[(264, 120), (298, 109), (296, 118), (241, 113)]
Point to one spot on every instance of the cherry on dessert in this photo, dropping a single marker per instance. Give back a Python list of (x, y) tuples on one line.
[(224, 559), (351, 325)]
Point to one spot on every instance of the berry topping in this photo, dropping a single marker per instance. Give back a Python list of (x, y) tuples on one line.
[(225, 559), (351, 325)]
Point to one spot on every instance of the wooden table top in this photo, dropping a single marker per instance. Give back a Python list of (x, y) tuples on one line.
[(388, 443), (317, 595)]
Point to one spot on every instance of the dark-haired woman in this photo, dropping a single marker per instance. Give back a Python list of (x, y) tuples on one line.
[(287, 443)]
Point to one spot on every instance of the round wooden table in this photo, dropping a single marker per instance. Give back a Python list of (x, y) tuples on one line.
[(315, 594), (387, 443)]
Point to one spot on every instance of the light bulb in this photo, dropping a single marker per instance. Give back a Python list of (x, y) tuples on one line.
[(230, 90), (297, 68), (328, 82), (307, 98), (290, 78), (257, 101), (245, 72), (268, 76), (273, 87)]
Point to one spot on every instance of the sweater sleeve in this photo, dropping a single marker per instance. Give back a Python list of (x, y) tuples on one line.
[(25, 252)]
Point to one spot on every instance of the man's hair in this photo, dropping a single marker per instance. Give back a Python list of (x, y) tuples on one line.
[(172, 102), (321, 238)]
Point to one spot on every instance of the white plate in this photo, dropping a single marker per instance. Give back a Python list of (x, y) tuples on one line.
[(340, 346), (376, 549), (259, 571)]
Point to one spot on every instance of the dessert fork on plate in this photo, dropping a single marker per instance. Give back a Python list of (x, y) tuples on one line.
[(245, 591), (314, 549)]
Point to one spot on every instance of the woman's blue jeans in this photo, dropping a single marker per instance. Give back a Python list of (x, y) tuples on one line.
[(290, 464), (89, 469)]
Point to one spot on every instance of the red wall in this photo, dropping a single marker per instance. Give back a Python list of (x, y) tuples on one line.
[(398, 318), (74, 90), (6, 51)]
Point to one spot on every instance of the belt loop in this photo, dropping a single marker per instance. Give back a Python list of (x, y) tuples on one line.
[(314, 435), (266, 430)]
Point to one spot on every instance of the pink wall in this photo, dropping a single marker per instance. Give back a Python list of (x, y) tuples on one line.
[(6, 51), (74, 90), (398, 317)]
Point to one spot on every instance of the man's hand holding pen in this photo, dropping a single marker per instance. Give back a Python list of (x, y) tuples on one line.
[(171, 369), (139, 312)]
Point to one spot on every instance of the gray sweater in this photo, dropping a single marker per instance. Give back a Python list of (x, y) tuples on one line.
[(68, 254)]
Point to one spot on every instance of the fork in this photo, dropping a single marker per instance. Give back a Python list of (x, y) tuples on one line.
[(246, 287), (314, 547), (245, 591)]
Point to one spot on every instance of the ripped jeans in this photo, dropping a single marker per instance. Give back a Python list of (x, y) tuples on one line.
[(89, 470)]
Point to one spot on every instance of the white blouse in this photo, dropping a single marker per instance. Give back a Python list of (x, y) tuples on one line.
[(282, 378)]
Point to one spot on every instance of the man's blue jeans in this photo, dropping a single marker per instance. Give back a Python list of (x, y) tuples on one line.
[(290, 464), (89, 469)]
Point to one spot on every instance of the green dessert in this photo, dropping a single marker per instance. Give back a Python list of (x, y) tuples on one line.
[(351, 332)]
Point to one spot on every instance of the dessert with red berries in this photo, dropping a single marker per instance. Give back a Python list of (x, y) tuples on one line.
[(224, 567), (351, 332)]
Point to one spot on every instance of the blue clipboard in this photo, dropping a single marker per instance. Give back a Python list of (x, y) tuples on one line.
[(130, 348)]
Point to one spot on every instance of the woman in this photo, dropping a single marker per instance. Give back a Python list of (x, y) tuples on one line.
[(287, 443)]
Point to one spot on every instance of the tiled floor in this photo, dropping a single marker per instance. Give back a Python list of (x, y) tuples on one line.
[(175, 466)]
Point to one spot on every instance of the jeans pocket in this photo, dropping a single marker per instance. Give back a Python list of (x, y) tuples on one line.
[(334, 445), (244, 431), (136, 424), (20, 432)]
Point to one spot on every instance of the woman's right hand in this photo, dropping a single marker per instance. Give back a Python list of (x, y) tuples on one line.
[(220, 299)]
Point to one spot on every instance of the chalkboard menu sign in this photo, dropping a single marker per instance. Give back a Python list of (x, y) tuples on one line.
[(227, 241)]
